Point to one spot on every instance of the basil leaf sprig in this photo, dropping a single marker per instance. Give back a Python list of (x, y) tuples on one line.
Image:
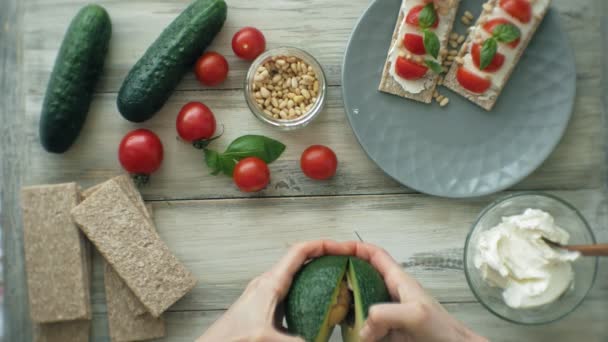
[(427, 16), (506, 33), (426, 19), (433, 65), (431, 43), (259, 146), (503, 33)]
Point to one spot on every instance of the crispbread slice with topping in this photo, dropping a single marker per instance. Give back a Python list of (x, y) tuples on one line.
[(488, 99), (389, 85)]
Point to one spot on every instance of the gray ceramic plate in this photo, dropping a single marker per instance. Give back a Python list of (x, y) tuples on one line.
[(460, 150)]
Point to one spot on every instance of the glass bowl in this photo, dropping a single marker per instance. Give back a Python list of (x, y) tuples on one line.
[(286, 124), (568, 218)]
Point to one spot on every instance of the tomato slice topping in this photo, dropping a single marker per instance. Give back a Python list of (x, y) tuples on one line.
[(491, 25), (414, 13), (472, 82), (409, 69), (414, 43), (519, 9), (496, 63)]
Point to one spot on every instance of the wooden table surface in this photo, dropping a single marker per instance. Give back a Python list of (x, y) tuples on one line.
[(226, 237)]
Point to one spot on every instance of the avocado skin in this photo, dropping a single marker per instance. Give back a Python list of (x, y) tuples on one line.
[(369, 289), (372, 289), (309, 299)]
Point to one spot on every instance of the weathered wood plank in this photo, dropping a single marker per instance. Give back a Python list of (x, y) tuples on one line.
[(320, 26), (586, 324), (16, 317), (575, 164), (226, 243)]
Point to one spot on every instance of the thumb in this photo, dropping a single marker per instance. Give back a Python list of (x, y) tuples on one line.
[(383, 318), (276, 336)]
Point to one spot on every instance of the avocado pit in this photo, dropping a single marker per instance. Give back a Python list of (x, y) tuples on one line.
[(340, 310)]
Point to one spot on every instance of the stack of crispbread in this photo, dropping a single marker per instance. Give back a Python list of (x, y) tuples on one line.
[(128, 319), (57, 264), (142, 277)]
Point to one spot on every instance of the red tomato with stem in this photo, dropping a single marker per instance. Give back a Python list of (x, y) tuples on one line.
[(414, 13), (140, 153), (319, 162), (496, 63), (251, 174), (414, 43), (491, 25), (211, 69), (409, 69), (195, 122), (519, 9), (248, 43), (472, 82)]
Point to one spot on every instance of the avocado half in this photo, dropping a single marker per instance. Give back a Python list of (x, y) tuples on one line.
[(333, 290)]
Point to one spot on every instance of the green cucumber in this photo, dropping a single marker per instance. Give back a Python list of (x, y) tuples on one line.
[(152, 79), (77, 68)]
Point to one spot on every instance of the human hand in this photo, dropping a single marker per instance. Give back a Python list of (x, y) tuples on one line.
[(252, 317), (416, 316)]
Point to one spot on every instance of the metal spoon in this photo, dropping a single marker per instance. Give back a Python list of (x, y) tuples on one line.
[(586, 250)]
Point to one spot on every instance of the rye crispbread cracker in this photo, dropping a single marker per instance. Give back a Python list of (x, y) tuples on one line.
[(125, 325), (126, 183), (89, 191), (488, 99), (71, 331), (388, 83), (55, 254), (128, 319), (127, 240)]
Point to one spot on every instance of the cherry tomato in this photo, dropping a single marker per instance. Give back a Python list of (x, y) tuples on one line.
[(472, 82), (496, 63), (251, 174), (211, 69), (414, 13), (140, 152), (414, 43), (248, 43), (319, 162), (195, 122), (519, 9), (409, 70), (491, 25)]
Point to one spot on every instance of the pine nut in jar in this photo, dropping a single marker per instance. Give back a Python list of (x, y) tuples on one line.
[(289, 81)]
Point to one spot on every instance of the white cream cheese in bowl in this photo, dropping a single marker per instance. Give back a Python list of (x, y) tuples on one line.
[(513, 256), (509, 269)]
